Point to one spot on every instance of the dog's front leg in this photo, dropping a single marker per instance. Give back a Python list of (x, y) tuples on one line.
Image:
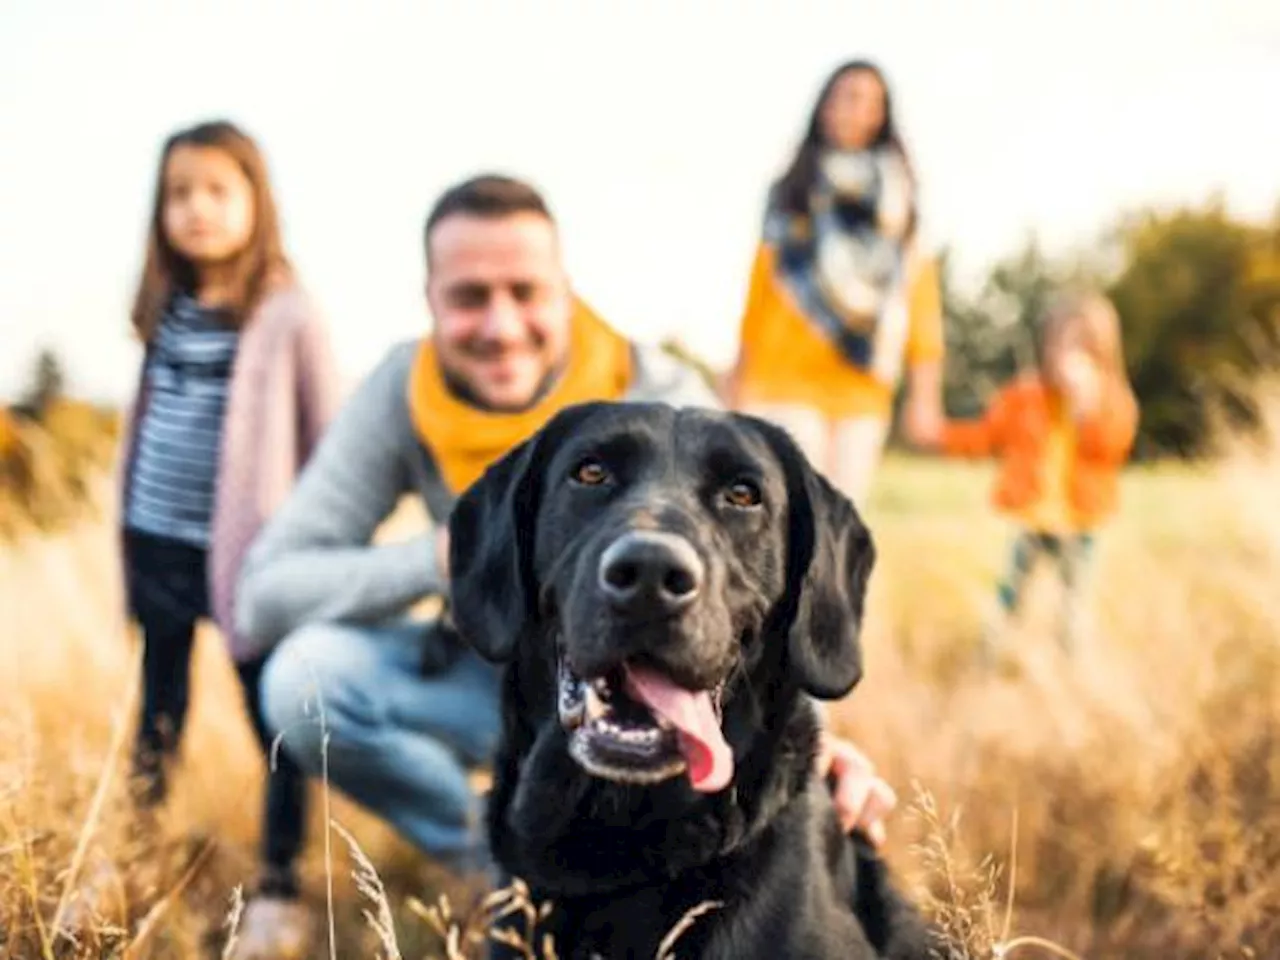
[(550, 787)]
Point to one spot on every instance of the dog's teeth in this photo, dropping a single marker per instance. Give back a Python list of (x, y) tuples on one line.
[(641, 735), (601, 686), (596, 707)]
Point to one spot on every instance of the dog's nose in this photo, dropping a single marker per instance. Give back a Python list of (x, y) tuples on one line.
[(650, 572)]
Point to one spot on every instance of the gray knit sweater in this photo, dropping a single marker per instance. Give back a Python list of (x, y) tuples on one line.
[(315, 560)]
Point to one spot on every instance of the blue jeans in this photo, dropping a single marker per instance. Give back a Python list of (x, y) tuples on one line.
[(401, 737)]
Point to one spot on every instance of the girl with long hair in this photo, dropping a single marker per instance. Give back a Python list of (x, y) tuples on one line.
[(1061, 433), (237, 384)]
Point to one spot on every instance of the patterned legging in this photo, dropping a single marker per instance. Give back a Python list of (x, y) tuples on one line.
[(1072, 555)]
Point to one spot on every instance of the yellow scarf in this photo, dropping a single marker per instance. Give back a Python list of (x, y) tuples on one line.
[(464, 440)]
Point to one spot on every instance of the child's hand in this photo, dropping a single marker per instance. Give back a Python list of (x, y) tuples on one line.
[(1082, 384)]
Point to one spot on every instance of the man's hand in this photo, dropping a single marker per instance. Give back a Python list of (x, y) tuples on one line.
[(862, 799)]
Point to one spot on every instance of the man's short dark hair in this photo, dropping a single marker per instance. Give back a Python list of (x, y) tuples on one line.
[(488, 196)]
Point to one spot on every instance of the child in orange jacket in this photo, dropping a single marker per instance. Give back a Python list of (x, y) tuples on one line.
[(1062, 435)]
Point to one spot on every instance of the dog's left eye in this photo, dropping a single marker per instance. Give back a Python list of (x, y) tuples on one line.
[(590, 473), (743, 493)]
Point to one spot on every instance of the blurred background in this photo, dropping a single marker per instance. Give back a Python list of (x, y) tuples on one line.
[(1124, 142), (653, 129)]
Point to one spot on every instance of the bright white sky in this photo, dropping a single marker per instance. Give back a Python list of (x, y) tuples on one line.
[(653, 126)]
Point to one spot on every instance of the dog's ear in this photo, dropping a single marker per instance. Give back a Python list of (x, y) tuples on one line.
[(493, 590), (491, 531), (830, 554)]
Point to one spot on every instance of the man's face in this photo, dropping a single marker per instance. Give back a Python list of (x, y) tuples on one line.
[(501, 304)]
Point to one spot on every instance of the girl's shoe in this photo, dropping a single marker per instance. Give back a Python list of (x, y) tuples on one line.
[(273, 928)]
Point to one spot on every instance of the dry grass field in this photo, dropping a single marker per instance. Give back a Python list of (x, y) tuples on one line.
[(1125, 803)]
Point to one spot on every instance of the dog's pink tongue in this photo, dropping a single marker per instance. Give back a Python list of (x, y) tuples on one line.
[(709, 758)]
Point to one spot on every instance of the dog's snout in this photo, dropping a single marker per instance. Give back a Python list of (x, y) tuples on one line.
[(650, 572)]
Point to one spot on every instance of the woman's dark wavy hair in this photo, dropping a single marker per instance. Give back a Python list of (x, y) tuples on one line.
[(791, 191)]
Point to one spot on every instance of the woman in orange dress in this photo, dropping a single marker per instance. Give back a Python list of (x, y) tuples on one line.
[(842, 298)]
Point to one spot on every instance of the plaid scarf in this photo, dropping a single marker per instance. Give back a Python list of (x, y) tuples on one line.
[(843, 260)]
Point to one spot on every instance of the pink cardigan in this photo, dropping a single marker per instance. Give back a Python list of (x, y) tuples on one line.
[(284, 391)]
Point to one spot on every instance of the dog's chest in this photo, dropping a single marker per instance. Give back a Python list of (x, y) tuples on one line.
[(643, 924), (699, 919)]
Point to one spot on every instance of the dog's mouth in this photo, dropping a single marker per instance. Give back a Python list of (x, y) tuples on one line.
[(634, 725)]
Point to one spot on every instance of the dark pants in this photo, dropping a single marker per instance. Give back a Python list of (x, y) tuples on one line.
[(168, 594)]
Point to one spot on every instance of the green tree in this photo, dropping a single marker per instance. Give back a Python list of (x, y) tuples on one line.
[(47, 385), (994, 335), (1199, 296)]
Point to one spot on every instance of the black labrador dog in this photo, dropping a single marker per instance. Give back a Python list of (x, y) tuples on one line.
[(668, 589)]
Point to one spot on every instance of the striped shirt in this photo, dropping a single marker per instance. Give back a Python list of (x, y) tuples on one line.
[(176, 458)]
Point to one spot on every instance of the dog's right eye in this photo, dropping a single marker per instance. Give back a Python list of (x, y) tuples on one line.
[(590, 473), (743, 494)]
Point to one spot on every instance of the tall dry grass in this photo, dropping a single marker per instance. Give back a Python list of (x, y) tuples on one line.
[(47, 466), (1125, 803)]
